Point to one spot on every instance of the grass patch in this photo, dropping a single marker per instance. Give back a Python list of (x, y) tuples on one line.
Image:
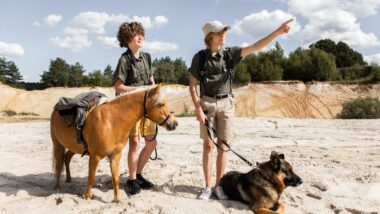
[(11, 113), (186, 112)]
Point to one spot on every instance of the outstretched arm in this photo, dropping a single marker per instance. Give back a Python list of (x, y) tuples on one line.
[(284, 28)]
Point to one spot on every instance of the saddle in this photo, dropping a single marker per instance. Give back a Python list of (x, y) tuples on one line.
[(77, 109)]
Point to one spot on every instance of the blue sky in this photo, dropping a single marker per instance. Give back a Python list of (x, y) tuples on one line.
[(34, 32)]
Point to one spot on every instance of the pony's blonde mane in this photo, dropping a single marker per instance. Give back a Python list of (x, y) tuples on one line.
[(140, 89)]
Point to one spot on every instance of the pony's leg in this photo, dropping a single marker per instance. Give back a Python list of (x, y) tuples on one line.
[(68, 155), (263, 211), (92, 165), (58, 151), (114, 163), (281, 208)]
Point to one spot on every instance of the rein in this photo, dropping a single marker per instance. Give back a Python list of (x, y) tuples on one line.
[(146, 117), (209, 129)]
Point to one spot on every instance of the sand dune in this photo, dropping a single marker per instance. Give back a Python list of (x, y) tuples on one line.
[(275, 100)]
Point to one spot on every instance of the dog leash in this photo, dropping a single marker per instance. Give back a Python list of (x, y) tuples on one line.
[(208, 126)]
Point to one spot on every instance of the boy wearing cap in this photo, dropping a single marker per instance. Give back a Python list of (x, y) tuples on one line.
[(133, 71), (213, 68)]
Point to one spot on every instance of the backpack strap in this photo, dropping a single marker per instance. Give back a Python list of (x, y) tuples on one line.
[(147, 58), (202, 71), (229, 66)]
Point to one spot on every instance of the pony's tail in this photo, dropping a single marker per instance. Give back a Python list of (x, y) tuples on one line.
[(61, 150)]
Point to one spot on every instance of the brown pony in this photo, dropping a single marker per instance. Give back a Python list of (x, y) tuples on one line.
[(106, 132)]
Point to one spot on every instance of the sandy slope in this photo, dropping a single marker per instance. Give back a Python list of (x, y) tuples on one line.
[(276, 100), (338, 161)]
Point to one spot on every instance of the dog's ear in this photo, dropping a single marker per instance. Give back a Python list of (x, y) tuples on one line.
[(281, 156), (273, 155), (275, 160)]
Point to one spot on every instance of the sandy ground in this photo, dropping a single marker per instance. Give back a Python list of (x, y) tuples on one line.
[(338, 160)]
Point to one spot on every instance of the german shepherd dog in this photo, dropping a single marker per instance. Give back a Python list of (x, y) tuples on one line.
[(261, 187)]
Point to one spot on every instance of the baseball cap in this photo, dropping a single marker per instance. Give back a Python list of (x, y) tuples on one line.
[(214, 26)]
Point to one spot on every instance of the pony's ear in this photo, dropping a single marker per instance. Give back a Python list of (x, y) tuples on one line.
[(157, 89)]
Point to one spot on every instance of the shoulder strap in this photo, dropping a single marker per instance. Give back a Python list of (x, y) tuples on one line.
[(202, 71), (202, 60), (128, 59), (229, 66), (149, 59), (228, 59)]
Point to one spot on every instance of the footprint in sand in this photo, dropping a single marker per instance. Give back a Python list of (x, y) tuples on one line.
[(320, 186), (311, 195)]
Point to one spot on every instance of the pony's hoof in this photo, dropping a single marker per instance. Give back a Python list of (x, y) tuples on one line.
[(68, 180), (87, 196), (116, 200)]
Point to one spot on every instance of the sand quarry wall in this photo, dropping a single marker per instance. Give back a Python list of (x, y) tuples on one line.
[(276, 100)]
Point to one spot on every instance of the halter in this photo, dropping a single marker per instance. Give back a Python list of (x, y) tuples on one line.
[(146, 112), (146, 116)]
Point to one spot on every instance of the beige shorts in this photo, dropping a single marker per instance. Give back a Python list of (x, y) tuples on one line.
[(148, 130), (220, 113)]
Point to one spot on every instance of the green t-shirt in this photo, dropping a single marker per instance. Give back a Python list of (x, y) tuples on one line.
[(133, 71), (218, 79)]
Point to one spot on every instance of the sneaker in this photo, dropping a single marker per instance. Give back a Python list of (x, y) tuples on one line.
[(133, 187), (143, 183), (220, 193), (206, 194)]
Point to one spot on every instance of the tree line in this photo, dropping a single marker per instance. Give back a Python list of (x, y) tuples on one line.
[(324, 60)]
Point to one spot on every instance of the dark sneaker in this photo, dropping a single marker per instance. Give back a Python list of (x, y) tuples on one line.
[(133, 187), (143, 183)]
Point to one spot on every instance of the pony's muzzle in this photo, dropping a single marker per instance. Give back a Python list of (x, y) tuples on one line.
[(171, 124)]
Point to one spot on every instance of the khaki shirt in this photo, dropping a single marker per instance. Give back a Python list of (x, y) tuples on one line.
[(133, 71), (218, 79)]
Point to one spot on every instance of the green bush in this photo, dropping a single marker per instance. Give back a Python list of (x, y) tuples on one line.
[(186, 112), (27, 114), (242, 74), (361, 108), (10, 113)]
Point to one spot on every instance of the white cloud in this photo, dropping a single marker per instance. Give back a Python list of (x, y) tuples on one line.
[(373, 58), (93, 21), (360, 8), (336, 20), (50, 21), (151, 47), (11, 49), (108, 41), (75, 31), (244, 44), (74, 43), (258, 25), (96, 21), (159, 47), (160, 21)]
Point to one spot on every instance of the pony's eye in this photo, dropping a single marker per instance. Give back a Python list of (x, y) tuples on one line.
[(161, 104)]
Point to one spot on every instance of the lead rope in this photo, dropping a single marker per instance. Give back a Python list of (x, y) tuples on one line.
[(209, 128)]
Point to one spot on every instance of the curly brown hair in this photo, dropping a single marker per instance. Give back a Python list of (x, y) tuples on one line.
[(129, 30)]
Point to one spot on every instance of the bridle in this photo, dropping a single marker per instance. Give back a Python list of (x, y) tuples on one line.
[(147, 117), (146, 112)]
